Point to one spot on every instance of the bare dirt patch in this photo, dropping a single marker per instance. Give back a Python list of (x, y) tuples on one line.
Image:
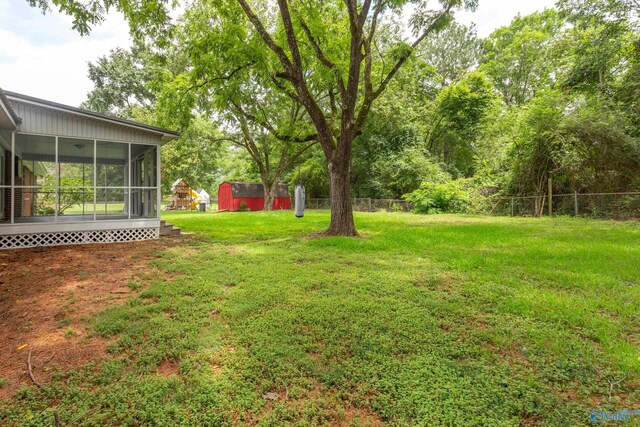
[(360, 416), (48, 296), (320, 400), (168, 368)]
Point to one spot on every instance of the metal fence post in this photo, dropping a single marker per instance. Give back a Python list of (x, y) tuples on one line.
[(370, 205), (512, 205), (575, 202)]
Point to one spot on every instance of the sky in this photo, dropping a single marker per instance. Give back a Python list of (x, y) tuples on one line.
[(41, 56), (492, 14)]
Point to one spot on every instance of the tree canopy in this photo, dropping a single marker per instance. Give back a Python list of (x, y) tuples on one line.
[(384, 98)]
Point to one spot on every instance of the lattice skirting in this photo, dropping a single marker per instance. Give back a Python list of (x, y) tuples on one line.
[(77, 237)]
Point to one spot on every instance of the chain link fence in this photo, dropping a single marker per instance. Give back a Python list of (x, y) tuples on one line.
[(364, 205), (617, 206)]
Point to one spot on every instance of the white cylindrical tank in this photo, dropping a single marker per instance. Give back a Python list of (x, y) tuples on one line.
[(299, 201)]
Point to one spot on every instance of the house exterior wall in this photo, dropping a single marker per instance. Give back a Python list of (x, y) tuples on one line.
[(47, 121)]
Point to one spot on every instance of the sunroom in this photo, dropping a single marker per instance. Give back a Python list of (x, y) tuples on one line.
[(70, 176)]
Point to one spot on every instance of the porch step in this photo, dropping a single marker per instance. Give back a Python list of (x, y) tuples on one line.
[(168, 229)]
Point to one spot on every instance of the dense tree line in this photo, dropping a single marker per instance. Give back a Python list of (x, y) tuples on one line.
[(553, 94)]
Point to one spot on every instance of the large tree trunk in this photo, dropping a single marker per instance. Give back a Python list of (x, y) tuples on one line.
[(342, 223), (269, 189), (268, 199)]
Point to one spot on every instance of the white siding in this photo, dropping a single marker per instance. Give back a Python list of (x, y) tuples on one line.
[(47, 121)]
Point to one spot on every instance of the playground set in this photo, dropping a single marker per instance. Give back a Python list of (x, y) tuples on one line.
[(183, 197)]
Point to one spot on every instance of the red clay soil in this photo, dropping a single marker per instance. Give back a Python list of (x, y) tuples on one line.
[(48, 294)]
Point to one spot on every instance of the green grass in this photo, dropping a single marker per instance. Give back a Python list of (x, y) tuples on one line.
[(444, 320), (101, 207)]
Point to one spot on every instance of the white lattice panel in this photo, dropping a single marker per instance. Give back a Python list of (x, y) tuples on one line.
[(77, 237)]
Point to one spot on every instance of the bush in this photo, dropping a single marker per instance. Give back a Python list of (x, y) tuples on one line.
[(45, 210), (460, 196), (438, 198), (243, 207)]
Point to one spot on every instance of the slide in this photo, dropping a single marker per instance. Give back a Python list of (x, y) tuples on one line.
[(195, 199)]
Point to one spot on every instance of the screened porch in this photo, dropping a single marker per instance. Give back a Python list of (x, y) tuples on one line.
[(53, 179)]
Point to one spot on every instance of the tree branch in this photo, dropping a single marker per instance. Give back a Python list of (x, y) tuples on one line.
[(368, 56), (373, 95), (292, 41), (323, 58), (298, 154), (250, 144), (364, 12), (294, 96), (316, 47), (275, 132), (407, 54), (350, 100), (294, 72), (352, 9), (264, 34), (213, 79)]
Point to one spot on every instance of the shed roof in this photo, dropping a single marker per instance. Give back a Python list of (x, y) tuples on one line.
[(255, 189), (164, 133)]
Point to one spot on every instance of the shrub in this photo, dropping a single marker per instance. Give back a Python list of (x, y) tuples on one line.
[(439, 198), (45, 210), (243, 207)]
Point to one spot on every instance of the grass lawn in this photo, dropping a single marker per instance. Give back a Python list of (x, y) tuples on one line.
[(101, 208), (442, 320)]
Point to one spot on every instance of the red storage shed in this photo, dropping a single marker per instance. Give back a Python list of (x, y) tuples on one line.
[(232, 194)]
